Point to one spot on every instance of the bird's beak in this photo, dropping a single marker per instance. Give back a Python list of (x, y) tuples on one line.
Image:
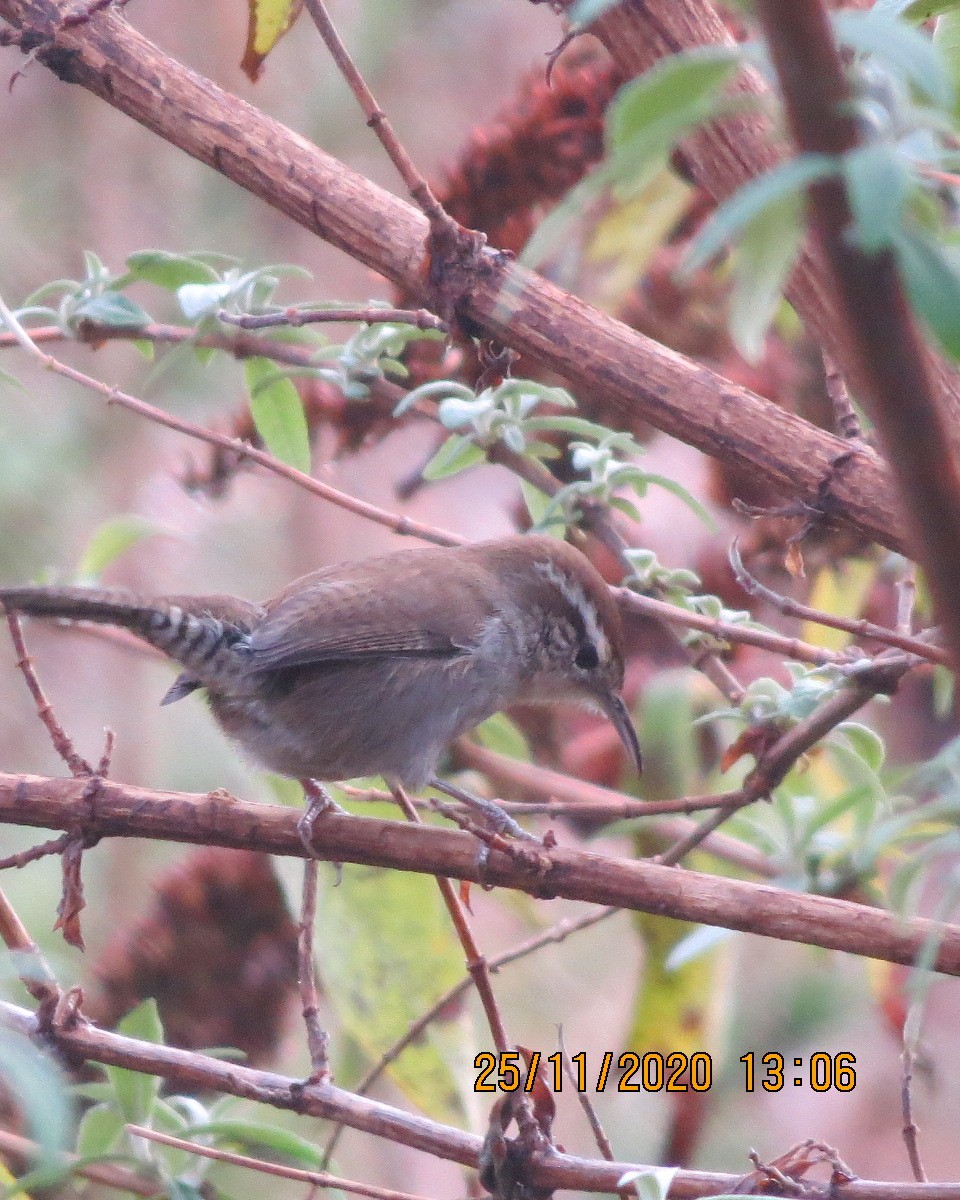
[(614, 707)]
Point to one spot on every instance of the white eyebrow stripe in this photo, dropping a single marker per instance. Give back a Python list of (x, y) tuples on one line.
[(576, 597)]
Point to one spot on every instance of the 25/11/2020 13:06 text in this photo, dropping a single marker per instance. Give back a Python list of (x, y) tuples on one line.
[(657, 1072)]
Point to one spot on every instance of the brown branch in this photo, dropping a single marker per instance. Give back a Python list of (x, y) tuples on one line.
[(891, 363), (518, 308), (370, 315), (723, 155), (859, 628), (185, 1068), (911, 1132), (642, 886), (541, 781)]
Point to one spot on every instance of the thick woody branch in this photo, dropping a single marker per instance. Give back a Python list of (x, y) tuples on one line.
[(124, 811), (892, 364), (588, 348), (726, 154), (185, 1068)]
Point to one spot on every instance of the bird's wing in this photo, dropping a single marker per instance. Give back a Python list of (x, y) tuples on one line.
[(348, 614)]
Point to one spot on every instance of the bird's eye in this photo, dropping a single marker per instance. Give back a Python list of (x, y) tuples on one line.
[(586, 657)]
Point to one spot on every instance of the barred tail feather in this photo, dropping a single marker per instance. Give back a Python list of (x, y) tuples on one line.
[(192, 636)]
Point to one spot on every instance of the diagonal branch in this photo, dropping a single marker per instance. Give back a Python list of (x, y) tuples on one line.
[(518, 308)]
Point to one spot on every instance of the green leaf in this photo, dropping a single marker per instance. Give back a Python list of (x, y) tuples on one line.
[(877, 181), (456, 454), (100, 1130), (904, 50), (37, 1087), (678, 490), (865, 741), (933, 284), (8, 380), (503, 735), (278, 414), (764, 258), (199, 300), (946, 38), (136, 1091), (585, 11), (790, 178), (169, 271), (650, 1183), (113, 538), (251, 1135), (670, 94), (113, 310)]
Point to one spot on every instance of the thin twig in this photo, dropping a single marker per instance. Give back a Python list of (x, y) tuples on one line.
[(775, 763), (110, 1174), (318, 1178), (76, 763), (596, 1127), (476, 963), (398, 524), (186, 1069), (370, 315), (32, 967), (317, 1038), (859, 628), (416, 184), (911, 1132)]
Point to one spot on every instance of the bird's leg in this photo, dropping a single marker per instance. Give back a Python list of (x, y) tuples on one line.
[(319, 801), (498, 820)]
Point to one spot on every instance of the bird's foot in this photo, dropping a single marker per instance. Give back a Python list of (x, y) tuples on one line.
[(319, 802), (497, 819)]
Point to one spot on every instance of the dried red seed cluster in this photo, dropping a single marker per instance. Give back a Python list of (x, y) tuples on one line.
[(218, 952)]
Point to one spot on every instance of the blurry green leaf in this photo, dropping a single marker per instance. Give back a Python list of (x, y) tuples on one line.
[(866, 742), (670, 96), (278, 413), (37, 1088), (8, 380), (946, 38), (113, 310), (100, 1130), (877, 181), (136, 1091), (585, 11), (942, 691), (144, 348), (700, 940), (933, 284), (681, 493), (904, 50), (503, 735), (198, 300), (456, 454), (790, 178), (841, 591), (253, 1136), (169, 271), (110, 540), (183, 1189)]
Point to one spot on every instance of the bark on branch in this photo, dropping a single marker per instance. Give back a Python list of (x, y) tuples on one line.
[(220, 820), (591, 350)]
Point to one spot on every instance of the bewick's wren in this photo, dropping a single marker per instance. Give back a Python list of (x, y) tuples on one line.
[(374, 667)]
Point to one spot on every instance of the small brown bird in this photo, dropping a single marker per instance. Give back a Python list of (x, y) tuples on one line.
[(374, 667)]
